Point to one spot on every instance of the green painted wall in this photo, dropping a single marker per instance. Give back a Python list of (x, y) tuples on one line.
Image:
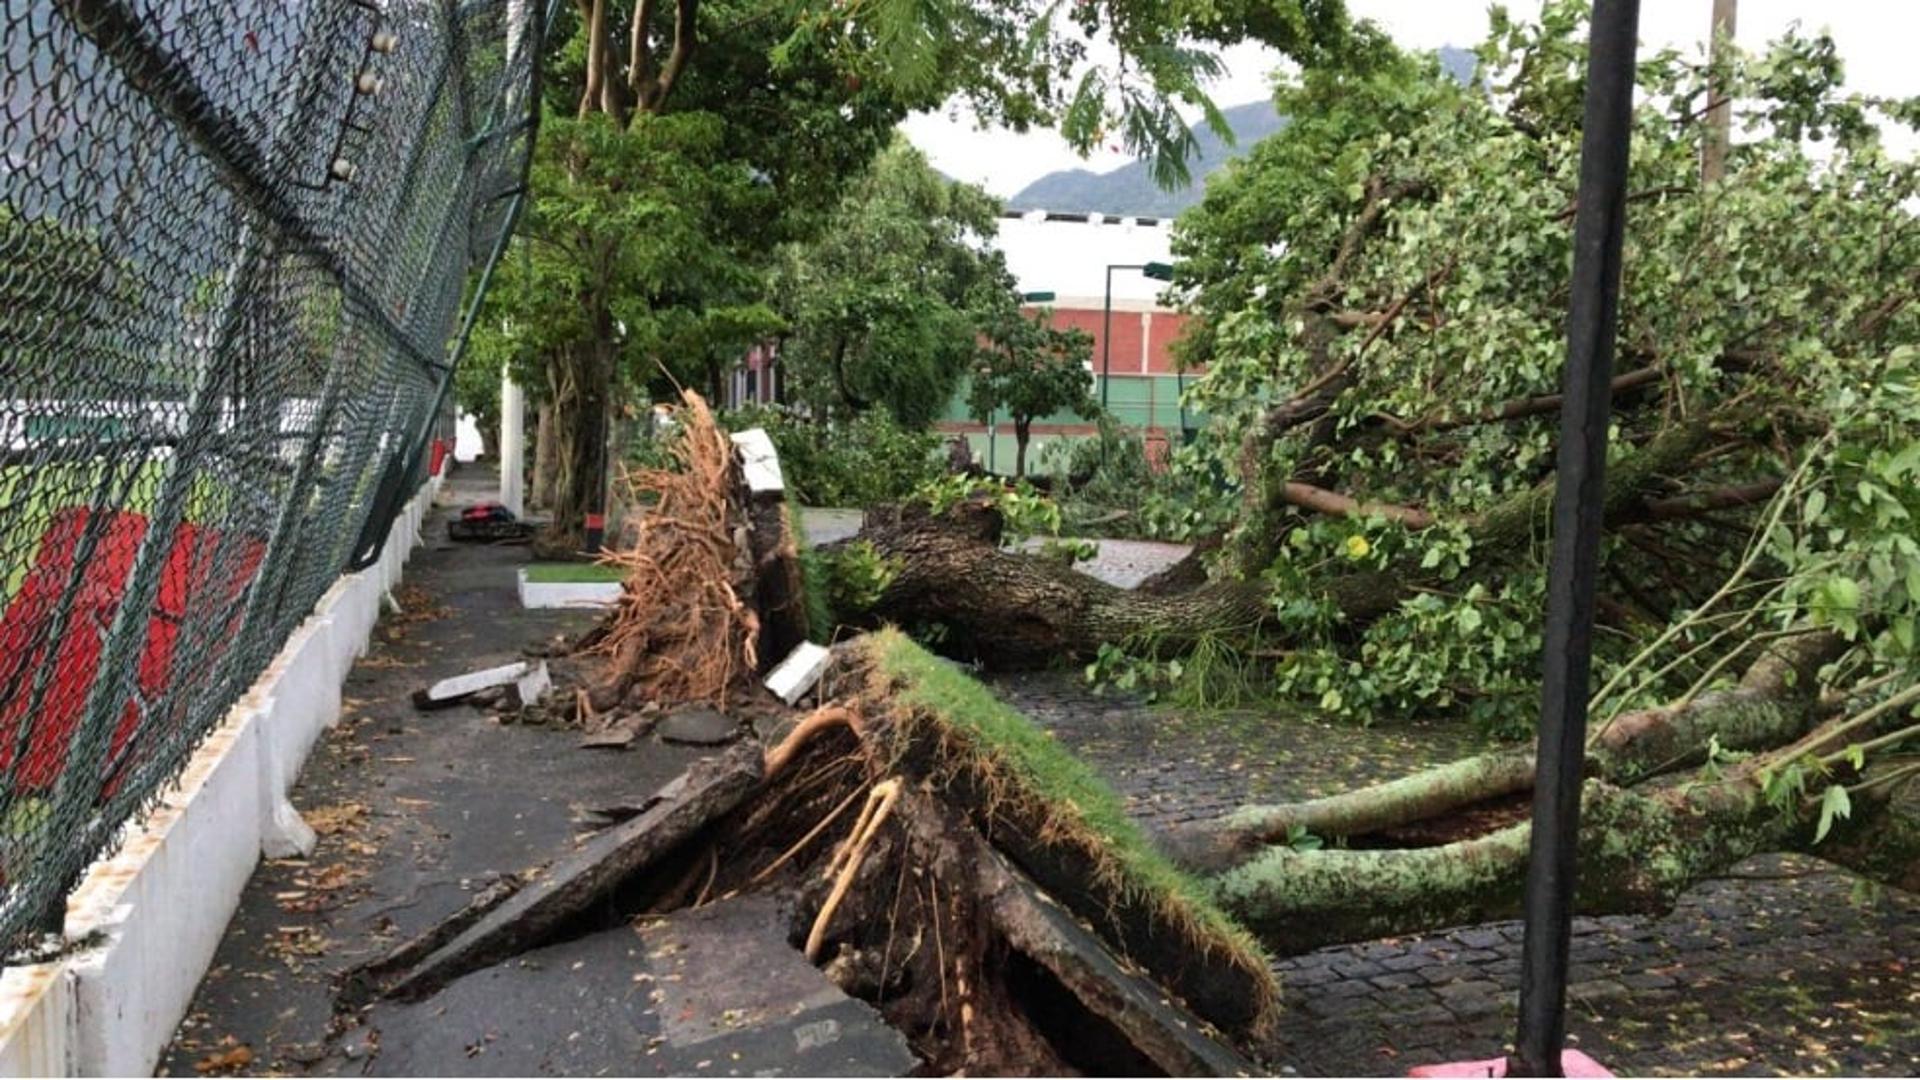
[(1137, 401), (1141, 401)]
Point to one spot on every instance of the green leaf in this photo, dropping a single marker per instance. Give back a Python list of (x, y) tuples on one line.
[(1834, 804), (1816, 506)]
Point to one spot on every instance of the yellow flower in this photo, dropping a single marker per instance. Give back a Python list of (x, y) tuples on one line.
[(1357, 547)]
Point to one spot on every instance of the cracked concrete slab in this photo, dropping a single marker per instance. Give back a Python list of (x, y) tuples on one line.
[(715, 991)]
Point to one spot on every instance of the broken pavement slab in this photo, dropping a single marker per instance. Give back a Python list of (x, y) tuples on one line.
[(713, 991), (1051, 936), (528, 680), (575, 881), (699, 727)]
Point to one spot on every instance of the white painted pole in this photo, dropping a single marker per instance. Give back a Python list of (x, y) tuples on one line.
[(513, 400), (513, 445)]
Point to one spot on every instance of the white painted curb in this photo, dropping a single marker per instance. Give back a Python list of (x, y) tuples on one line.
[(160, 903), (567, 594)]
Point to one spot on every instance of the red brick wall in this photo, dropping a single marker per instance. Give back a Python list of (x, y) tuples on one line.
[(1164, 328), (1167, 328)]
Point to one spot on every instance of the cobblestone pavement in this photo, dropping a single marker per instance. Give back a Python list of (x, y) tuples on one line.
[(1780, 969)]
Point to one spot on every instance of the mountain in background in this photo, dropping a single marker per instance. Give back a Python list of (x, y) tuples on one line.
[(1129, 191)]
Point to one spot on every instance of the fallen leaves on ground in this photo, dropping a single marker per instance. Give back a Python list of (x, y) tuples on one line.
[(234, 1057), (328, 820)]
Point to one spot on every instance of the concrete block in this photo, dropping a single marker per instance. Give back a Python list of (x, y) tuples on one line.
[(759, 461), (798, 672), (36, 1020), (162, 902), (567, 594)]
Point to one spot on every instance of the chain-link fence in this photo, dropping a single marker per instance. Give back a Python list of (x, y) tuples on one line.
[(234, 236)]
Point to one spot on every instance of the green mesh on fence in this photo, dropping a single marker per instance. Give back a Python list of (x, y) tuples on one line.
[(234, 236)]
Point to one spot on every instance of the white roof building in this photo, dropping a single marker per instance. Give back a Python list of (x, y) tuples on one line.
[(1068, 255)]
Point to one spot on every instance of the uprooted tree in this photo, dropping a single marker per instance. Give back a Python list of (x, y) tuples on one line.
[(1379, 293), (1382, 387)]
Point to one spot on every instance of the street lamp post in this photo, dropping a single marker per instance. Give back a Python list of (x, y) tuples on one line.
[(1577, 507)]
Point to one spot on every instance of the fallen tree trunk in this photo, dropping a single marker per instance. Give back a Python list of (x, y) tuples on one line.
[(1638, 853), (1647, 833), (1013, 609), (1770, 708)]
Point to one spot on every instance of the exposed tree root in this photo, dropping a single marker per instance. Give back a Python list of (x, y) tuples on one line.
[(680, 631), (879, 805), (819, 720)]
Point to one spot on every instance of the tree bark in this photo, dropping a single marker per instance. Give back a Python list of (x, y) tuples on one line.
[(1639, 851), (489, 437), (541, 495), (583, 375), (1641, 846), (1019, 610), (1769, 708)]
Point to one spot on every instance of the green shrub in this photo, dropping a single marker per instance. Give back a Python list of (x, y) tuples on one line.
[(871, 459), (1107, 487)]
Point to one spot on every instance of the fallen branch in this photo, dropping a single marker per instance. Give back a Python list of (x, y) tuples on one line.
[(1320, 500)]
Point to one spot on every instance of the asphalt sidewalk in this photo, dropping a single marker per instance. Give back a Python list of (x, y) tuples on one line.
[(417, 811)]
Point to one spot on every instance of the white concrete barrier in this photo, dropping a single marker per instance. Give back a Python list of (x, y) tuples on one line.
[(567, 594), (146, 919)]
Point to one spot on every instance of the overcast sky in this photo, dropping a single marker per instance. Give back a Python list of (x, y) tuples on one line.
[(1877, 39)]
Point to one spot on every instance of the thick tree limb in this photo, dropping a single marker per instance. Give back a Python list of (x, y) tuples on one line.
[(1380, 197), (1771, 707), (685, 38), (639, 50), (1639, 852), (1695, 503), (1320, 500), (594, 14), (1516, 409)]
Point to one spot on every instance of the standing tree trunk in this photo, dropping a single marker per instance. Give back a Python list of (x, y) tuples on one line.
[(544, 459), (1719, 135), (489, 428), (583, 376)]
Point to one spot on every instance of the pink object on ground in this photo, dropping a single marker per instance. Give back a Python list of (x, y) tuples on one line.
[(1573, 1063)]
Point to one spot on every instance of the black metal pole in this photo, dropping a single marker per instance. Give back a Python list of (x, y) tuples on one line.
[(1106, 339), (1577, 505)]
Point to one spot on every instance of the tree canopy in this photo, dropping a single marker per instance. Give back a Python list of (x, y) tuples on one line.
[(881, 310), (1379, 292), (685, 143)]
